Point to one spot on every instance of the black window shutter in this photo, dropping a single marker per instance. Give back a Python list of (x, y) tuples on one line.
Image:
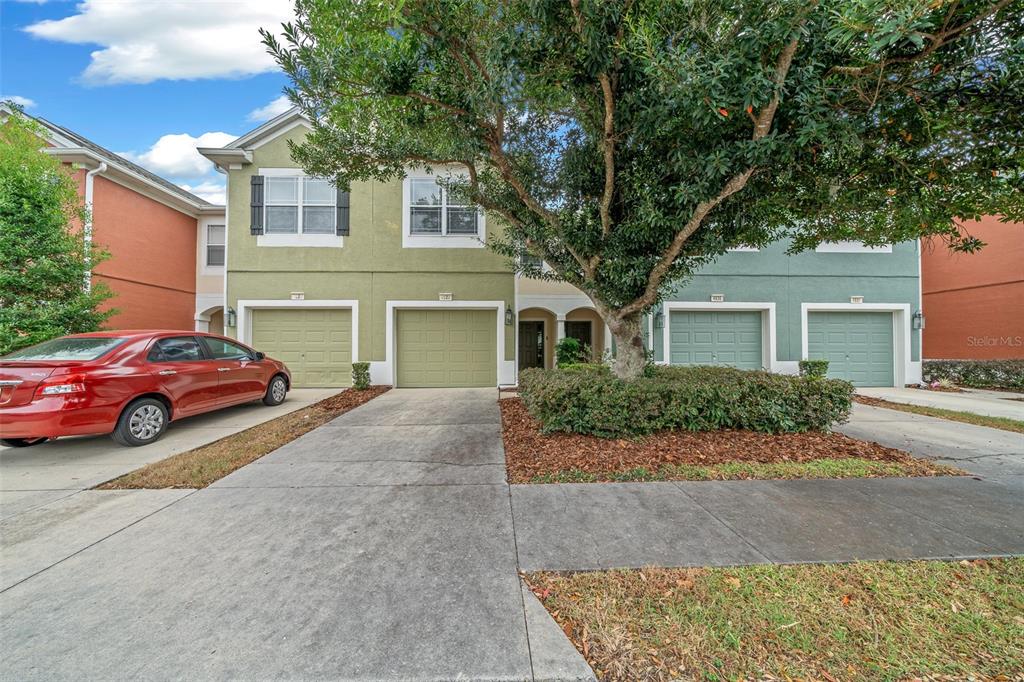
[(256, 205), (341, 203)]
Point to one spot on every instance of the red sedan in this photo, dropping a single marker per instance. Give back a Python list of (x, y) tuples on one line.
[(129, 384)]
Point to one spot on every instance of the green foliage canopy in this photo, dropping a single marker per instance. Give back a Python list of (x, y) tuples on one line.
[(43, 263), (628, 143)]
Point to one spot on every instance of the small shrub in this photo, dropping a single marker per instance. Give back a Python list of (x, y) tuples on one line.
[(977, 373), (813, 368), (691, 398), (570, 351), (585, 367), (361, 375)]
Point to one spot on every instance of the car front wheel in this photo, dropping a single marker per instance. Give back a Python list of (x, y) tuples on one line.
[(277, 389), (141, 423)]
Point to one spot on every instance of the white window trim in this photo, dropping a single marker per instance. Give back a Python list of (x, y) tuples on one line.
[(768, 326), (851, 247), (904, 370), (430, 241), (246, 306), (298, 239), (384, 372), (207, 268), (743, 249)]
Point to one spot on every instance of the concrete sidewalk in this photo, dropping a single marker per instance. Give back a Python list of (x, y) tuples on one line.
[(720, 523), (379, 546), (991, 453), (987, 403)]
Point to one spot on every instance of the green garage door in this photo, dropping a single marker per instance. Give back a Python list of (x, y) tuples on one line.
[(315, 343), (707, 337), (858, 346), (438, 348)]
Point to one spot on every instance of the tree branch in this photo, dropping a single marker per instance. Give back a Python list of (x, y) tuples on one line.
[(737, 182), (609, 154)]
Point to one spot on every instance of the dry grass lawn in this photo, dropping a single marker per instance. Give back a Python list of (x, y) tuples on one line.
[(852, 622), (202, 466)]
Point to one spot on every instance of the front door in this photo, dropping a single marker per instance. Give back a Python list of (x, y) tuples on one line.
[(531, 344), (582, 332)]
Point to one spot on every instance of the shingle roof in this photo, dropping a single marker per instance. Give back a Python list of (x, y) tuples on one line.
[(120, 160)]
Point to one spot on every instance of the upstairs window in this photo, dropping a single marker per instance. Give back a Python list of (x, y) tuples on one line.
[(215, 245), (432, 211), (299, 205)]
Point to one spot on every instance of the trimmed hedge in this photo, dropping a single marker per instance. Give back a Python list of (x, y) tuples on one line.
[(690, 398), (813, 368), (977, 373), (361, 375)]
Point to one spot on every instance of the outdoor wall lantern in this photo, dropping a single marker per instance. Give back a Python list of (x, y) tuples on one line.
[(659, 320), (509, 316), (919, 320), (232, 317)]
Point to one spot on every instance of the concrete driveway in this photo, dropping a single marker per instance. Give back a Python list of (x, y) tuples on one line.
[(991, 453), (987, 403), (33, 476), (379, 546)]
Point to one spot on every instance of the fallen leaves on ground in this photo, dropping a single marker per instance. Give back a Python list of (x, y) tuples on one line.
[(531, 455)]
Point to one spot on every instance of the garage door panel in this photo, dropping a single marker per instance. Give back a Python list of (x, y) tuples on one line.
[(858, 345), (315, 344), (716, 338), (455, 348)]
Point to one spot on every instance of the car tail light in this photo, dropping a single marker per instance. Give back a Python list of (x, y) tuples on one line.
[(62, 385)]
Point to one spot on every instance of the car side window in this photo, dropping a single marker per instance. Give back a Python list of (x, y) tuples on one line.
[(225, 350), (176, 349)]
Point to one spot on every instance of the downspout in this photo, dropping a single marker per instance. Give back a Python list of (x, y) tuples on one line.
[(87, 228)]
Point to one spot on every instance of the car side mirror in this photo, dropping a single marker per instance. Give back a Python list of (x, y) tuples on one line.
[(260, 356)]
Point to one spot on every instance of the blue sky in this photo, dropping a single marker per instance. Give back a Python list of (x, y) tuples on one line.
[(150, 79)]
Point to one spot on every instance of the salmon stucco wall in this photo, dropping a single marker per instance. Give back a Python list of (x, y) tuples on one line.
[(152, 267), (974, 302)]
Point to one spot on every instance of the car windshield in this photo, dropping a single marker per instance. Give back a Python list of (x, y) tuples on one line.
[(66, 348)]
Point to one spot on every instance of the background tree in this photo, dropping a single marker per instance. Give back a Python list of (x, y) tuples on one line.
[(629, 143), (43, 262)]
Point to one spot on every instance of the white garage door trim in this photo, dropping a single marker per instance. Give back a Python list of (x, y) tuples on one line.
[(384, 372), (245, 306), (904, 371), (766, 308)]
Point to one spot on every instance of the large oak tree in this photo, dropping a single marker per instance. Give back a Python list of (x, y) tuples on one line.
[(629, 143)]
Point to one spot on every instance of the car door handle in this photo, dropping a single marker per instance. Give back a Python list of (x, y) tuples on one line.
[(223, 369), (165, 372)]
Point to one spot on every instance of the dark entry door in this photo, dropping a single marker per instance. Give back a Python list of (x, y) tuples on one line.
[(581, 331), (531, 344)]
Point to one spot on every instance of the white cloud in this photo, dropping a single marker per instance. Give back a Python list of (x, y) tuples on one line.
[(176, 155), (274, 108), (210, 190), (144, 41), (23, 102)]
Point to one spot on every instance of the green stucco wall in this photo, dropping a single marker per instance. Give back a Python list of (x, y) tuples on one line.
[(771, 275), (371, 267)]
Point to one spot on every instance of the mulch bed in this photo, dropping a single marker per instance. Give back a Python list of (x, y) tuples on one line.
[(530, 454)]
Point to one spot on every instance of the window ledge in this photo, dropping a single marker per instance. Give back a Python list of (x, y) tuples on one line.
[(851, 247), (301, 240), (428, 241)]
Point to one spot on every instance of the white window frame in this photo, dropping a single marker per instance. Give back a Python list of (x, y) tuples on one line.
[(299, 238), (851, 247), (443, 240), (207, 244), (743, 249)]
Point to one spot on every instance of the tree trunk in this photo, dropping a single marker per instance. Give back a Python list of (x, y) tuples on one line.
[(630, 354)]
